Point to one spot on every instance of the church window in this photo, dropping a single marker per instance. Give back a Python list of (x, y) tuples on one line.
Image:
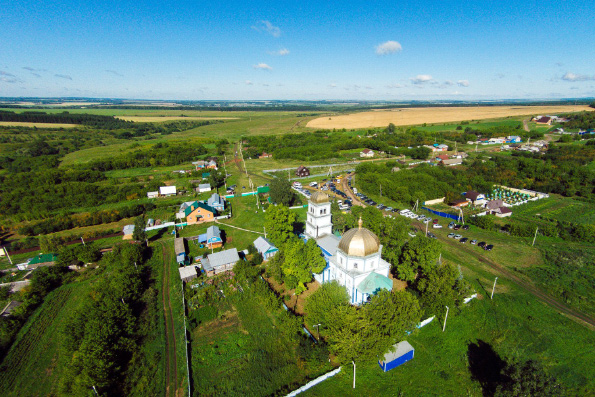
[(355, 265)]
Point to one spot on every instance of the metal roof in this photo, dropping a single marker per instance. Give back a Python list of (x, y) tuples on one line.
[(179, 246), (187, 271), (263, 244), (400, 349), (213, 231), (128, 229), (329, 243), (167, 190), (374, 282), (224, 257)]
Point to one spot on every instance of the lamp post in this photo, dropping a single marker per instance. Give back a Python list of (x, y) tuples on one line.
[(353, 374), (494, 288), (445, 317)]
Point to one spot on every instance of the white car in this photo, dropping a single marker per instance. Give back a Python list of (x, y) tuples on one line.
[(457, 237), (404, 212), (437, 226)]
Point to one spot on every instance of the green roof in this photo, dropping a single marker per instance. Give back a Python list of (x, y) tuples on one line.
[(198, 204), (374, 283), (43, 258)]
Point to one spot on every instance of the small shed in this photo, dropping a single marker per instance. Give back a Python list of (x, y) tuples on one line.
[(188, 273), (153, 194), (180, 248), (213, 237), (128, 232), (403, 353), (203, 187), (167, 190)]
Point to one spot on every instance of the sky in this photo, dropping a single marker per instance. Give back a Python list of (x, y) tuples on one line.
[(259, 50)]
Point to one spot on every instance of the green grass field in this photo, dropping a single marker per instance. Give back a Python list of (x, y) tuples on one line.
[(484, 124), (35, 362)]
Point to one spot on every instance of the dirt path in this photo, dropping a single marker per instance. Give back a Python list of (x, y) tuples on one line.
[(527, 286), (171, 362), (354, 199), (526, 125)]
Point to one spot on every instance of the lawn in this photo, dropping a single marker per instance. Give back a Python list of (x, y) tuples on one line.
[(515, 325)]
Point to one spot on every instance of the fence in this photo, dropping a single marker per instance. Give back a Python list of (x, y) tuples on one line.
[(443, 214), (314, 382)]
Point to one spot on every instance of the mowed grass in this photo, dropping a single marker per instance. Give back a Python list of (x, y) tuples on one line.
[(473, 124), (35, 362), (560, 208), (515, 324)]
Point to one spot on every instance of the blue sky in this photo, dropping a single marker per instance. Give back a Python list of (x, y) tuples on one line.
[(351, 50)]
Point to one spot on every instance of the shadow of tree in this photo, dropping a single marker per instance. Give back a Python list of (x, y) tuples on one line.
[(485, 366)]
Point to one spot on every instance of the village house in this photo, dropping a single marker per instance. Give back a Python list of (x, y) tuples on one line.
[(265, 247), (214, 239), (180, 249), (513, 139), (181, 214), (38, 261), (543, 120), (437, 148), (442, 157), (265, 155), (217, 202), (211, 165), (153, 194), (302, 171), (199, 212), (459, 203), (451, 162), (497, 207), (366, 153), (128, 231), (474, 197), (200, 164), (220, 262)]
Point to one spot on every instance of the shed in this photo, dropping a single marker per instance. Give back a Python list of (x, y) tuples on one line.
[(128, 232), (188, 273), (204, 187), (167, 190), (180, 248), (265, 247), (220, 261), (153, 194), (403, 353), (366, 153)]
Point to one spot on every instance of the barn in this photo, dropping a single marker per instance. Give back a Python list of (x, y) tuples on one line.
[(180, 248), (403, 353)]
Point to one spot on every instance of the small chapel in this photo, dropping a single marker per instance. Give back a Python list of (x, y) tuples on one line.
[(353, 260)]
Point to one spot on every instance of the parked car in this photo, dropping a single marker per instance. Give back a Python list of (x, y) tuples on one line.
[(437, 226), (435, 221), (466, 227), (411, 234), (451, 225), (457, 227), (458, 236), (432, 235), (473, 242), (389, 208), (488, 247), (482, 244), (463, 240), (450, 235)]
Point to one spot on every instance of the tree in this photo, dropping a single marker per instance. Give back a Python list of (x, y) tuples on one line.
[(139, 233), (216, 178), (418, 254), (301, 260), (279, 224), (527, 379), (327, 298), (441, 286), (49, 243), (280, 191)]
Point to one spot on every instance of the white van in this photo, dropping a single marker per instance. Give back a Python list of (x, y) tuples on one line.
[(354, 190)]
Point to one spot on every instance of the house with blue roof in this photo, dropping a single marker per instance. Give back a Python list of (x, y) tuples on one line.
[(217, 202), (213, 237)]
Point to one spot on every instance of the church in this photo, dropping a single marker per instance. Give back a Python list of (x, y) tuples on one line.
[(353, 260)]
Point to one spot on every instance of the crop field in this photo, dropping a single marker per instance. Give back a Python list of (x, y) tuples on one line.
[(37, 125), (559, 208), (475, 125), (413, 116), (34, 364)]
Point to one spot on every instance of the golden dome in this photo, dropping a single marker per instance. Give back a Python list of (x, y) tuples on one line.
[(359, 242), (319, 197)]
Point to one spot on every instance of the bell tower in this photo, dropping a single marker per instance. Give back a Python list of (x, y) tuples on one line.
[(318, 222)]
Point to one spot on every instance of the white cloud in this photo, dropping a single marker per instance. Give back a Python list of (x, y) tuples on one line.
[(262, 66), (463, 83), (394, 86), (281, 52), (332, 85), (248, 82), (577, 77), (448, 83), (421, 79), (266, 26), (388, 47)]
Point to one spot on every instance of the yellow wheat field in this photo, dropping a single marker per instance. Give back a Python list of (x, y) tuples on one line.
[(159, 119), (38, 125), (414, 116)]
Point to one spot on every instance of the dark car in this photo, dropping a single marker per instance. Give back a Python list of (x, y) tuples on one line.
[(457, 227), (431, 235), (481, 244), (466, 227), (488, 247), (395, 210), (463, 240)]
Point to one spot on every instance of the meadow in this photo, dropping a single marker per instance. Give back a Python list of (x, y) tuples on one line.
[(564, 209)]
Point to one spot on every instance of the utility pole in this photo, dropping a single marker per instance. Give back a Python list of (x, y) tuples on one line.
[(494, 288), (95, 390), (8, 256), (225, 169), (83, 240), (353, 374), (535, 236), (445, 317), (427, 223), (318, 331)]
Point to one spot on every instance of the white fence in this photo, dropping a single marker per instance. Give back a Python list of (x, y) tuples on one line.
[(314, 382)]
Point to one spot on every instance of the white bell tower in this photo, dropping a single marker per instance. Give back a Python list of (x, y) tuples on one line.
[(318, 223)]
